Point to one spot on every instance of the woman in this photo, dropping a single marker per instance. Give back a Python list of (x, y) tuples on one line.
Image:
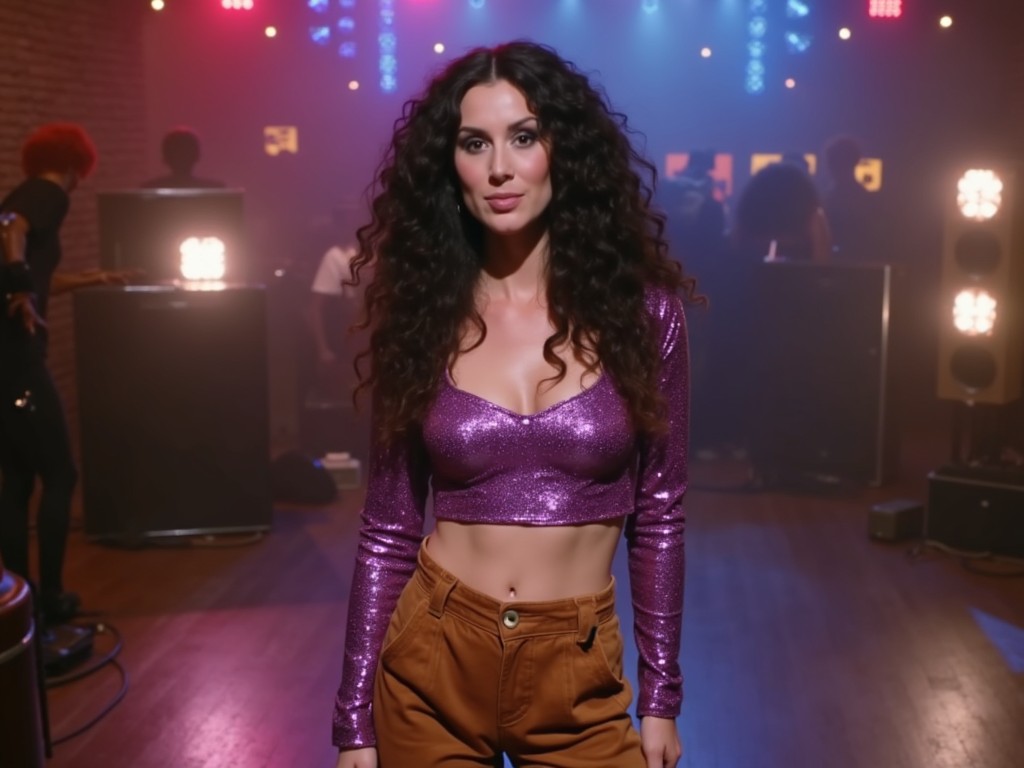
[(34, 438), (529, 363)]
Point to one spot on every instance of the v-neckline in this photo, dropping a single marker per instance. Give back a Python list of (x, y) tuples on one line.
[(543, 411)]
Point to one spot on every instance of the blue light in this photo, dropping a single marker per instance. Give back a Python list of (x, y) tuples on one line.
[(758, 6), (388, 64), (388, 83), (387, 42), (795, 9), (347, 3), (320, 35), (758, 26), (347, 24), (476, 3), (756, 48), (650, 5), (387, 16), (320, 6), (797, 42), (755, 69), (347, 50)]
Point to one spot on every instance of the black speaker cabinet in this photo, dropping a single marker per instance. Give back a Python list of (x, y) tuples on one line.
[(173, 405), (976, 510), (820, 394)]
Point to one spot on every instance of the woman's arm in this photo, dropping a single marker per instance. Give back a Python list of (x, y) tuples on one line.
[(654, 533), (389, 541)]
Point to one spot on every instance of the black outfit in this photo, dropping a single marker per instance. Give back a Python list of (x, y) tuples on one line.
[(34, 440)]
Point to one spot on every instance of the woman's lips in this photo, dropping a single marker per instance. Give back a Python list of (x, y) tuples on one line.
[(503, 203)]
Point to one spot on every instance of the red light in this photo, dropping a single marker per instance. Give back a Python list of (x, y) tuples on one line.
[(236, 5), (885, 9)]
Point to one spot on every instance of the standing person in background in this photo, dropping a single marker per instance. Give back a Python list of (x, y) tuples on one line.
[(854, 214), (529, 366), (34, 439), (180, 150)]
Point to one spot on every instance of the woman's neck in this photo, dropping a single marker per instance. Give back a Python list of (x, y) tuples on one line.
[(515, 267)]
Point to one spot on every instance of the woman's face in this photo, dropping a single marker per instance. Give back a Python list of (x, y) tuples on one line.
[(501, 162)]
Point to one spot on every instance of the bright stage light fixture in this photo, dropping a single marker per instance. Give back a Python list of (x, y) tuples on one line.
[(979, 194), (974, 312), (202, 258)]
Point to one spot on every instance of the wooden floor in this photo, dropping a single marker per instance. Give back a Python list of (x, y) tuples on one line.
[(805, 643)]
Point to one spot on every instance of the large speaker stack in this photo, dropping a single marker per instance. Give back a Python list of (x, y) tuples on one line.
[(819, 389), (173, 405), (974, 505)]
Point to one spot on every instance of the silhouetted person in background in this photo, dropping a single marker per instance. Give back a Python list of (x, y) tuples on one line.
[(181, 152), (695, 229), (854, 213), (34, 438)]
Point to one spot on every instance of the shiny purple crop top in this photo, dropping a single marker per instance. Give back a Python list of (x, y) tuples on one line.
[(578, 461)]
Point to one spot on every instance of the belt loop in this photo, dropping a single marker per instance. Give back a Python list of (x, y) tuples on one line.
[(586, 618), (439, 595)]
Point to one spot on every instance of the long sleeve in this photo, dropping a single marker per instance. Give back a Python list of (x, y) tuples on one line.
[(654, 533), (389, 539)]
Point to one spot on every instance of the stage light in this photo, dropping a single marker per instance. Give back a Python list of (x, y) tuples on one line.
[(790, 83), (705, 53), (438, 47), (797, 42), (476, 3), (388, 43), (347, 50), (353, 85), (320, 35), (202, 258), (796, 9), (157, 5), (650, 6), (885, 9), (946, 22), (758, 26), (270, 31), (347, 24), (979, 194), (980, 358), (318, 6), (974, 312), (236, 5), (845, 33)]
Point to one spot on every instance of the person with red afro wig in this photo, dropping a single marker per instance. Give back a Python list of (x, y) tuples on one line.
[(34, 438)]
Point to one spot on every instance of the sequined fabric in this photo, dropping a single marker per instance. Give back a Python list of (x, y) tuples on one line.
[(577, 462)]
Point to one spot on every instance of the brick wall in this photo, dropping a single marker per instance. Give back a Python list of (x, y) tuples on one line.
[(81, 62)]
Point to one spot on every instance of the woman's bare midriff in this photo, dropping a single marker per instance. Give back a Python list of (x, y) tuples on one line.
[(527, 563)]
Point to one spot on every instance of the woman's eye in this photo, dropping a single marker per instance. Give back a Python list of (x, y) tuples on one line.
[(473, 145), (525, 139)]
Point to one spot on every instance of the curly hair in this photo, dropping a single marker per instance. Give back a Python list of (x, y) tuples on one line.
[(777, 203), (180, 149), (605, 243), (59, 148)]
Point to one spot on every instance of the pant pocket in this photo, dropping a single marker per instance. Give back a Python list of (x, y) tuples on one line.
[(599, 672)]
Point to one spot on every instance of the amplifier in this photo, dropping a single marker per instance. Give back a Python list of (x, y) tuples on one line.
[(977, 510)]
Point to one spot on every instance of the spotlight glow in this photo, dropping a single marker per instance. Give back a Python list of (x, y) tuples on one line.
[(946, 22), (157, 5), (438, 47), (270, 31), (705, 52), (202, 258), (974, 312), (979, 194), (353, 85), (790, 83), (845, 33)]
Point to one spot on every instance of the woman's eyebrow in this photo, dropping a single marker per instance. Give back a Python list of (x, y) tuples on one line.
[(517, 125)]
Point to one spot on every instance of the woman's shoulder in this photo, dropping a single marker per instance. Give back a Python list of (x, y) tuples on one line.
[(663, 304)]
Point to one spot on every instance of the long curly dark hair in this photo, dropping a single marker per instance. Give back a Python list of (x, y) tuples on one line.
[(605, 240)]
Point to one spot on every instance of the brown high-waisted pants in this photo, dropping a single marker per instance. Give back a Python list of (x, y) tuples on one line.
[(464, 678)]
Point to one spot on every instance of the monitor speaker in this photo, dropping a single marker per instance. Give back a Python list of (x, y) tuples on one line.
[(820, 394), (173, 406)]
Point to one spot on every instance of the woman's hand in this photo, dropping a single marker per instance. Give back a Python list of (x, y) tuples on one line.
[(659, 740), (21, 305), (358, 758)]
